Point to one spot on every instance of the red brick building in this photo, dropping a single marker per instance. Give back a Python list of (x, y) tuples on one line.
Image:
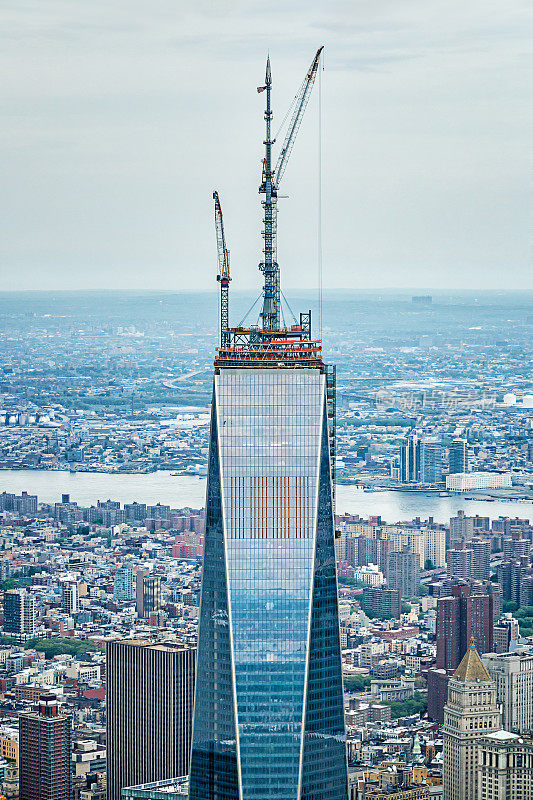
[(45, 752)]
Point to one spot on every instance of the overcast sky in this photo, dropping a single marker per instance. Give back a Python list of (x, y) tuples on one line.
[(119, 118)]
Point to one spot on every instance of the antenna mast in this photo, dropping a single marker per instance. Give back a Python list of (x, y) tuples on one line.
[(270, 314), (269, 267)]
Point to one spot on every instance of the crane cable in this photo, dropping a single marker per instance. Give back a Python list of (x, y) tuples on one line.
[(319, 209)]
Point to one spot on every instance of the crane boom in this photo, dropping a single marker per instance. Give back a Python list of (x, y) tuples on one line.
[(302, 100), (270, 313), (223, 271)]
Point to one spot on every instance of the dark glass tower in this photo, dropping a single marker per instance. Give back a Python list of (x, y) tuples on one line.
[(269, 721)]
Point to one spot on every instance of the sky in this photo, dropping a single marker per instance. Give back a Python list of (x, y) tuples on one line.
[(120, 117)]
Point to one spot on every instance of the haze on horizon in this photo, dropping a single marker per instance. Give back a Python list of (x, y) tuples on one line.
[(121, 117)]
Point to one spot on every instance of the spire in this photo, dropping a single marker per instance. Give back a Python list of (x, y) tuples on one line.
[(471, 669)]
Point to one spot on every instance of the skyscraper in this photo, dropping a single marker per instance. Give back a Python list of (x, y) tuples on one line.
[(69, 597), (513, 676), (460, 617), (149, 693), (123, 586), (403, 572), (148, 593), (45, 752), (19, 612), (505, 767), (458, 456), (420, 460), (269, 717), (431, 461), (410, 459), (469, 715), (269, 709)]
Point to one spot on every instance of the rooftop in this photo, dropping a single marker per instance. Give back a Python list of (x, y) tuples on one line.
[(471, 669)]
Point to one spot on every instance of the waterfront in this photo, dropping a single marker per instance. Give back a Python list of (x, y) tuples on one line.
[(188, 491)]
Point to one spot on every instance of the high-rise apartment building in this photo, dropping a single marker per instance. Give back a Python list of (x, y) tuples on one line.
[(458, 456), (431, 461), (382, 601), (516, 580), (470, 559), (123, 585), (45, 752), (463, 527), (69, 597), (471, 712), (459, 561), (410, 459), (505, 767), (506, 631), (421, 460), (403, 572), (150, 695), (459, 618), (462, 616), (19, 612), (513, 676), (481, 550)]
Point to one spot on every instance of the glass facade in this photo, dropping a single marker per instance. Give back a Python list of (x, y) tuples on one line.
[(269, 721)]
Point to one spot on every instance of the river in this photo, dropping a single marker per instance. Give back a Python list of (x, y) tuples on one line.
[(181, 491)]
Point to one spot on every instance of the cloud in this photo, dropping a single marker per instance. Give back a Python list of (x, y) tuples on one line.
[(119, 118)]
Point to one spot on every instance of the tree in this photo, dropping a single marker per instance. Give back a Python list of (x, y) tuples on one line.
[(428, 564), (356, 683), (417, 704), (510, 605)]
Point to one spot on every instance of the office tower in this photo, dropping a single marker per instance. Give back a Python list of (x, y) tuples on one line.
[(382, 601), (139, 594), (471, 712), (269, 562), (458, 456), (431, 461), (69, 598), (513, 676), (460, 617), (505, 767), (269, 716), (148, 593), (150, 694), (123, 585), (506, 631), (45, 752), (403, 572), (410, 459), (19, 612), (459, 561)]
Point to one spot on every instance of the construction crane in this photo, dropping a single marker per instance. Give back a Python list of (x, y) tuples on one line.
[(223, 272), (271, 178)]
